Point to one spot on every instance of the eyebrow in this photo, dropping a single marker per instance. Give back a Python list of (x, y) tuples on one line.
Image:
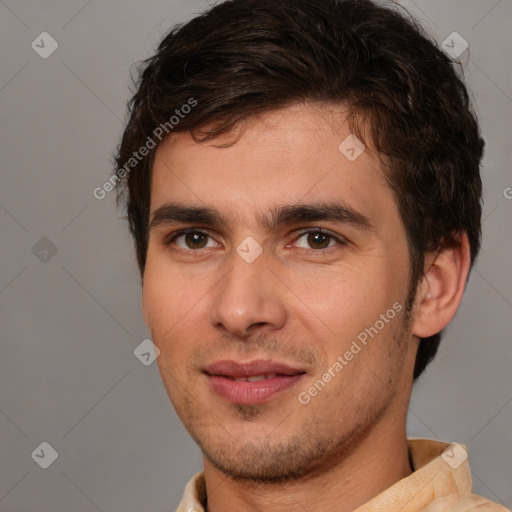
[(334, 212), (174, 213)]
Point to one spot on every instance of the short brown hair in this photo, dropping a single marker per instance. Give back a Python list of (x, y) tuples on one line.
[(245, 57)]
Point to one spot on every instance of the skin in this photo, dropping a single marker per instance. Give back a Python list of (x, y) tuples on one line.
[(302, 302)]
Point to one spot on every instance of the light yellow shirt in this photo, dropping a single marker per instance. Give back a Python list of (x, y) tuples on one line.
[(441, 482)]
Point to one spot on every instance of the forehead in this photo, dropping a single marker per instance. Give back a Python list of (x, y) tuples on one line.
[(298, 154)]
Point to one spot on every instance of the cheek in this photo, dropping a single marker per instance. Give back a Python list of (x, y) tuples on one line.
[(171, 301), (346, 300), (173, 322)]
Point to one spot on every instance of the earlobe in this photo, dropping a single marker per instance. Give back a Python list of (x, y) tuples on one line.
[(440, 291)]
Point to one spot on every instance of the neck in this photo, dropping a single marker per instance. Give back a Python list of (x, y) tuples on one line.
[(378, 462)]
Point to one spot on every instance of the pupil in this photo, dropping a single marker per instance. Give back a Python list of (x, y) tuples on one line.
[(195, 240), (318, 240)]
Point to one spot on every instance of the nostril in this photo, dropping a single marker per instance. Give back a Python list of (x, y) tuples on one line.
[(256, 325)]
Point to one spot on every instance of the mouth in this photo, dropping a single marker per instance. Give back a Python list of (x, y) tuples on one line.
[(253, 378), (251, 382)]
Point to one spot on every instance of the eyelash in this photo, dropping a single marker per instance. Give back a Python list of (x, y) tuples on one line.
[(171, 238), (339, 239)]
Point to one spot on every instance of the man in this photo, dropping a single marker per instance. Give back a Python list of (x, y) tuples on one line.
[(302, 184)]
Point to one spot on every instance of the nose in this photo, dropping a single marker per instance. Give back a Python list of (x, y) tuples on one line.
[(248, 300)]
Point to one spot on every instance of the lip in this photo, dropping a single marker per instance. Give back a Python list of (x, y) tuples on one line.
[(222, 374)]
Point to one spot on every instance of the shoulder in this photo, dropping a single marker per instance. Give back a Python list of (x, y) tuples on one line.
[(470, 503)]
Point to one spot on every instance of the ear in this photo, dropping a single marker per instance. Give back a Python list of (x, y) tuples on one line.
[(440, 291)]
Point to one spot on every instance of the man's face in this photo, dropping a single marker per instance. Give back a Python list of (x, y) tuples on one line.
[(251, 329)]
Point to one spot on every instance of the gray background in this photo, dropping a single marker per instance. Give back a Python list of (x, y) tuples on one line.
[(70, 324)]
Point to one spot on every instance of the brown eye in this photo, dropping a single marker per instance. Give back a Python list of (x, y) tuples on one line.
[(317, 239), (192, 240), (196, 240)]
